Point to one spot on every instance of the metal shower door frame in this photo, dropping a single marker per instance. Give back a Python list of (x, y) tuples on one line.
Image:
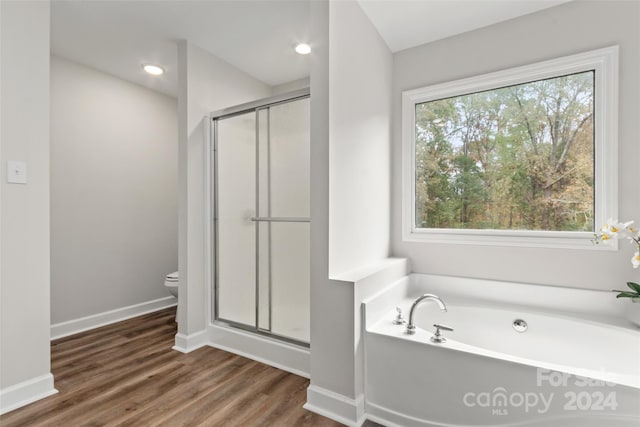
[(215, 117)]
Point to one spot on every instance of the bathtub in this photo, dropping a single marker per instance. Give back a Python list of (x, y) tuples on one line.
[(577, 363)]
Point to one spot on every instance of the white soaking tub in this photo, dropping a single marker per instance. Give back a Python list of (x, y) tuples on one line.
[(577, 363)]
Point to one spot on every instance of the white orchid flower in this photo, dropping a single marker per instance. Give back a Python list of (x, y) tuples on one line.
[(610, 230), (635, 261), (613, 229)]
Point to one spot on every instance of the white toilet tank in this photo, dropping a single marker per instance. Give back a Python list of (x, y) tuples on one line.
[(171, 282)]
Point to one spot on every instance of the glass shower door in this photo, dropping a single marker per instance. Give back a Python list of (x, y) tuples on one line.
[(236, 232), (263, 230), (284, 190)]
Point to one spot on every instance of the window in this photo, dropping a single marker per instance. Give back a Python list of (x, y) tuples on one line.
[(525, 156)]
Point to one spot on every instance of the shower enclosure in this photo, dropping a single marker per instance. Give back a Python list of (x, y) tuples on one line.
[(261, 214)]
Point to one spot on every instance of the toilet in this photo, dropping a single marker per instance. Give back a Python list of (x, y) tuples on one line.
[(171, 282)]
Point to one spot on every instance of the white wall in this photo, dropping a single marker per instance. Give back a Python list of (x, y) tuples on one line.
[(324, 293), (360, 130), (566, 29), (350, 192), (24, 209), (205, 84), (114, 203), (291, 86)]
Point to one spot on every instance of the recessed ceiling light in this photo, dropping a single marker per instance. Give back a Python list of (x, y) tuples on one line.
[(154, 70), (303, 48)]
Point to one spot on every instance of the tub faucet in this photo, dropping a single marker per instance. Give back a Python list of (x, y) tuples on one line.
[(411, 328)]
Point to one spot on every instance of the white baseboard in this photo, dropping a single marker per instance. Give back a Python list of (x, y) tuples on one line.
[(387, 417), (189, 343), (382, 421), (336, 406), (26, 392), (70, 327), (271, 352), (288, 357)]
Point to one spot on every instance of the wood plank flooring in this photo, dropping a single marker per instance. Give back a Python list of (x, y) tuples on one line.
[(126, 374)]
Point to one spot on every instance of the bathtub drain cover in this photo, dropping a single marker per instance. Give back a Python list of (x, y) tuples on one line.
[(520, 325)]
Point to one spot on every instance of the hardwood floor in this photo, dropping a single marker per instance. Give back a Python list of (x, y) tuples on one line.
[(126, 374)]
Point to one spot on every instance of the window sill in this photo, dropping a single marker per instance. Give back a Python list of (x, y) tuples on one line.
[(509, 238)]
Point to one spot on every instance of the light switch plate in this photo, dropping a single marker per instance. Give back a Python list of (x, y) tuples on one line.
[(16, 172)]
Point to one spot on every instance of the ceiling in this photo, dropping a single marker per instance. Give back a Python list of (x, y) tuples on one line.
[(256, 36), (404, 23), (118, 36)]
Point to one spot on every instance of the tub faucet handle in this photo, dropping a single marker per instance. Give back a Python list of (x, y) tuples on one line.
[(437, 337), (399, 320)]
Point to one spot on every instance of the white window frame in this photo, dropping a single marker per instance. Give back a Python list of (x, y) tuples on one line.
[(605, 64)]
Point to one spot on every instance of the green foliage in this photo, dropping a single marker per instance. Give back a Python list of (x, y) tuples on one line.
[(635, 291), (519, 157)]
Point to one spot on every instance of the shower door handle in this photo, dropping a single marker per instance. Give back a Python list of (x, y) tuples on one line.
[(279, 219)]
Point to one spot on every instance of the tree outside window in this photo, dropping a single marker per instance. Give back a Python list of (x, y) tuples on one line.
[(515, 158)]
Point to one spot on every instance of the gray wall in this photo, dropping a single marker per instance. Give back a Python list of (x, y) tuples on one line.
[(566, 29), (114, 203), (350, 194), (360, 66), (205, 84), (291, 86), (24, 214)]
